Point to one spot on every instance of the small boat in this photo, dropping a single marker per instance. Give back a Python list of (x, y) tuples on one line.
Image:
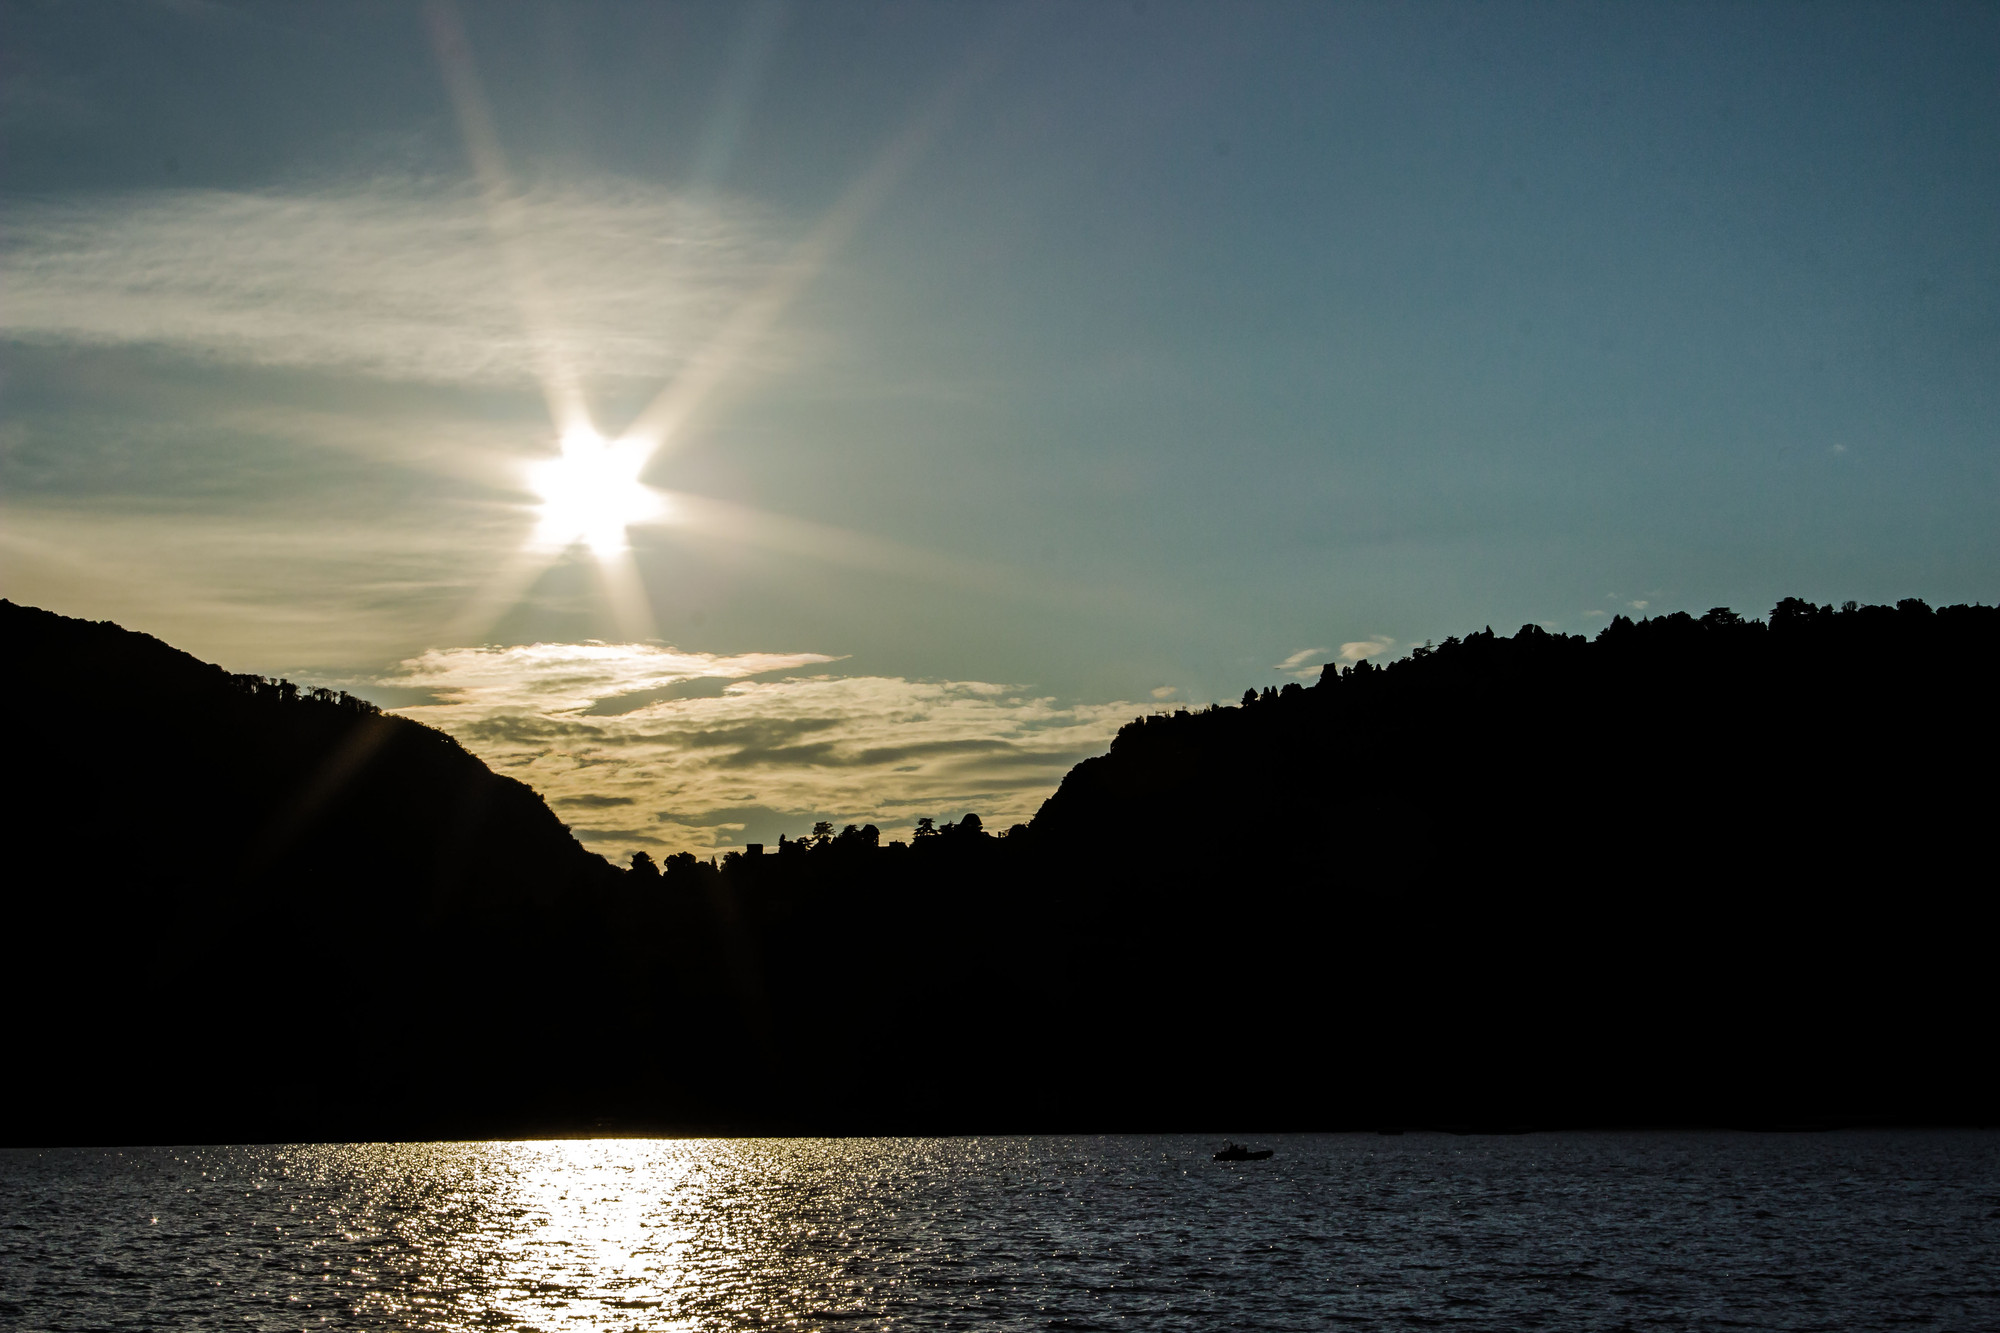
[(1236, 1152)]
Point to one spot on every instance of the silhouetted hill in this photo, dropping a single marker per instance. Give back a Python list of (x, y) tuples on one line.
[(1719, 742), (1707, 870), (239, 907), (166, 765), (1698, 870)]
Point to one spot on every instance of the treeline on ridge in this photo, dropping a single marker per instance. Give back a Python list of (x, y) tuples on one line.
[(1696, 870)]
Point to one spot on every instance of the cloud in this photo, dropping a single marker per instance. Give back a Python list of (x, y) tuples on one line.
[(728, 816), (1371, 647), (395, 279), (616, 836), (761, 756), (1310, 659), (558, 678), (1165, 692), (327, 595)]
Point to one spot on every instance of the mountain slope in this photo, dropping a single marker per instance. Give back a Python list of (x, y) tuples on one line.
[(143, 762), (1717, 743), (235, 908), (1696, 871)]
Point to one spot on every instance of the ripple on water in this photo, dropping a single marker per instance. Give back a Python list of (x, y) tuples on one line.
[(1573, 1231)]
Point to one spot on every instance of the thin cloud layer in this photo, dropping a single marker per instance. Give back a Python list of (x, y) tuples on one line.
[(562, 678), (1364, 648), (713, 771), (395, 280), (1305, 663)]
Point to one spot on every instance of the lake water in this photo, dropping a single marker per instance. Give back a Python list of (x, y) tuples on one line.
[(1842, 1231)]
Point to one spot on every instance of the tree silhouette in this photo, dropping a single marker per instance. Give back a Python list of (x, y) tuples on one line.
[(1692, 870)]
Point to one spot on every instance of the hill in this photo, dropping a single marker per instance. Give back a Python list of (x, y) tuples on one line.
[(238, 908), (1707, 870), (1711, 870), (1722, 742), (1696, 870)]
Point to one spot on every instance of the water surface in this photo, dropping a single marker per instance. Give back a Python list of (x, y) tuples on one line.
[(1564, 1231)]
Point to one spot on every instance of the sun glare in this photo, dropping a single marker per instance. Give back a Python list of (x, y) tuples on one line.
[(592, 493)]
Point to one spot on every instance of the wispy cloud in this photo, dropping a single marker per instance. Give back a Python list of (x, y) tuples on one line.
[(394, 279), (315, 594), (558, 678), (1369, 647), (762, 756), (1304, 663)]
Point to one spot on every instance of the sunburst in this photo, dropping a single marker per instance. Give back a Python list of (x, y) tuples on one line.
[(591, 493)]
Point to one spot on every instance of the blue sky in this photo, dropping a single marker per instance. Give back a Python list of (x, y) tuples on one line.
[(1092, 358)]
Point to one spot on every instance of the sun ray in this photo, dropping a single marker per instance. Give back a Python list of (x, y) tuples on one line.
[(661, 421), (834, 545), (625, 590), (700, 516), (756, 40), (590, 493), (501, 593), (561, 386)]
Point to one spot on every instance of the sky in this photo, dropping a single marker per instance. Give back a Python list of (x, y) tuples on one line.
[(726, 417)]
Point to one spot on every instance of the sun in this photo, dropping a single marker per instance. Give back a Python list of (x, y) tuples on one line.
[(592, 493)]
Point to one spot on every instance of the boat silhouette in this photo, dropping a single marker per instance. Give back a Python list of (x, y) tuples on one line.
[(1236, 1152)]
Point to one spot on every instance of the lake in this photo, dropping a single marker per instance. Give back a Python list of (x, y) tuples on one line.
[(1848, 1230)]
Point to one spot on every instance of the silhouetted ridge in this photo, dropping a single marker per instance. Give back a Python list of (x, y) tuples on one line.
[(1657, 730), (1696, 870), (241, 908), (143, 751)]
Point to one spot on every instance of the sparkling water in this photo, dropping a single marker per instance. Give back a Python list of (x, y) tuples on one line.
[(1840, 1231)]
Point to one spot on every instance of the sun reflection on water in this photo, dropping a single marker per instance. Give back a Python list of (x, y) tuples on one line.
[(596, 1232), (1010, 1234), (623, 1234)]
